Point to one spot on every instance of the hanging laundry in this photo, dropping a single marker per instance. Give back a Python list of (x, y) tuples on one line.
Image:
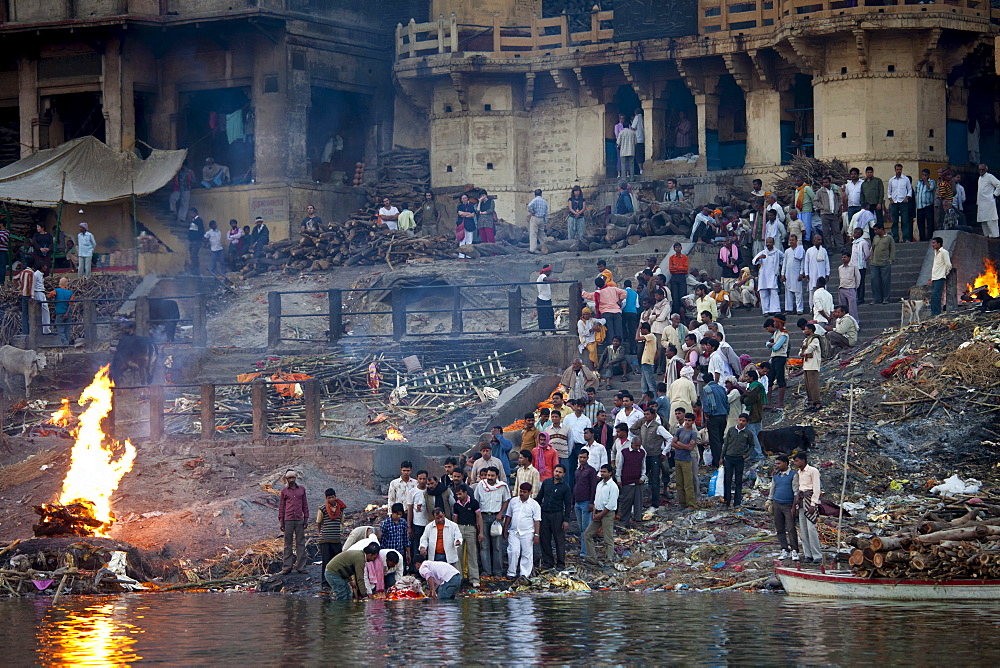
[(213, 122), (234, 126)]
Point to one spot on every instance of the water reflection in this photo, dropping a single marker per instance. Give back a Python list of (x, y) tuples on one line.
[(601, 628), (96, 634)]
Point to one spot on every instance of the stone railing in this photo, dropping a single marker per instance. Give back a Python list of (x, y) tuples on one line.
[(744, 16)]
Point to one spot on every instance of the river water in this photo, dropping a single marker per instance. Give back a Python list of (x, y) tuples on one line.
[(617, 628)]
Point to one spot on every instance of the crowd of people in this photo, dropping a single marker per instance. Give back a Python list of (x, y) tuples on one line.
[(507, 511)]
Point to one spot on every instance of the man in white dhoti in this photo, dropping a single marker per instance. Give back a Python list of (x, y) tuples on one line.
[(986, 204), (816, 265), (795, 255), (769, 260), (774, 229)]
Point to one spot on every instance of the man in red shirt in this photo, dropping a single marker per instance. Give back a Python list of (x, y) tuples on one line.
[(678, 266), (293, 515)]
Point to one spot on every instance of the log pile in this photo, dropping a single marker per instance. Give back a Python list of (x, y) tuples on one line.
[(114, 287), (811, 170), (933, 549)]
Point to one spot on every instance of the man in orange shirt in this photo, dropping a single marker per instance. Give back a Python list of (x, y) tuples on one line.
[(677, 264), (602, 269)]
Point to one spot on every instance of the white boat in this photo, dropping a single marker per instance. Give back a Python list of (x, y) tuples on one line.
[(844, 584)]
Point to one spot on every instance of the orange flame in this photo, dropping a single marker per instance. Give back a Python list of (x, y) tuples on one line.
[(98, 461), (62, 417), (393, 434), (988, 279)]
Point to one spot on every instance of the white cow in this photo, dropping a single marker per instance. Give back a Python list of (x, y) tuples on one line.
[(15, 361)]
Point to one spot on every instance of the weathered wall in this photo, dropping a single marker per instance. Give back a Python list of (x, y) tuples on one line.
[(500, 145), (511, 12)]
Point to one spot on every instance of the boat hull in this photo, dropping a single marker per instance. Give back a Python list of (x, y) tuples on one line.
[(847, 585)]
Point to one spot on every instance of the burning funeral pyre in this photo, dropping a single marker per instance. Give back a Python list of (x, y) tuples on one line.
[(98, 463)]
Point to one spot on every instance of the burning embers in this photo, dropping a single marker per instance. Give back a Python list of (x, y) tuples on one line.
[(985, 289), (393, 434), (98, 464)]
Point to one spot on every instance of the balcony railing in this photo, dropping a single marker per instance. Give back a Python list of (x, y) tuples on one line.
[(450, 36), (716, 18)]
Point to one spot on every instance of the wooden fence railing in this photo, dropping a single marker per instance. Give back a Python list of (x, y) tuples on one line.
[(718, 18)]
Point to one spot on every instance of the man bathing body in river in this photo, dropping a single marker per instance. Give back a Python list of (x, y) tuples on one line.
[(346, 572)]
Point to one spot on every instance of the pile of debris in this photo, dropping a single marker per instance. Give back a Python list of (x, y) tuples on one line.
[(69, 565), (115, 288)]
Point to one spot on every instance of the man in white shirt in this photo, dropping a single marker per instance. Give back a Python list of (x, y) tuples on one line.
[(769, 260), (850, 279), (852, 190), (822, 303), (900, 193), (795, 256), (640, 138), (816, 265), (575, 423), (939, 274), (603, 518), (986, 204), (417, 512), (597, 453), (388, 214), (775, 229), (522, 524), (861, 250), (773, 205), (864, 220), (629, 414), (493, 497), (400, 487), (703, 222), (718, 365)]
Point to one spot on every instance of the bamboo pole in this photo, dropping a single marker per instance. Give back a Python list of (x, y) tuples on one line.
[(847, 450)]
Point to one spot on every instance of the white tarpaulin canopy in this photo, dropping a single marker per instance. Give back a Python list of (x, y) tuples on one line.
[(86, 171)]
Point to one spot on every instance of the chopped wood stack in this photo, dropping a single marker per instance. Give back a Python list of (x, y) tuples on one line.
[(936, 550), (811, 170), (409, 165), (99, 286)]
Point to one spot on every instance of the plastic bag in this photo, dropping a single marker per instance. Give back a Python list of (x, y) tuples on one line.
[(955, 485), (496, 529), (715, 487), (706, 457)]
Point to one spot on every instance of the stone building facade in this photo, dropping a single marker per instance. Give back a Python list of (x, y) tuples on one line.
[(289, 94), (511, 100)]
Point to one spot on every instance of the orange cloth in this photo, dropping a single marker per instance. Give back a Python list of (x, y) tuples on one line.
[(289, 389), (677, 264), (608, 280)]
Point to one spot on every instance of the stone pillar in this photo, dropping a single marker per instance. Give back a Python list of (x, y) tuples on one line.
[(111, 92), (272, 152), (708, 130), (655, 119), (763, 128), (27, 93), (298, 100)]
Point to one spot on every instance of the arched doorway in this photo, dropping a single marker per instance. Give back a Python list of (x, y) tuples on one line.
[(680, 106)]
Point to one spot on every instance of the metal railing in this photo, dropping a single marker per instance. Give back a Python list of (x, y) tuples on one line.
[(307, 409), (89, 319), (401, 310)]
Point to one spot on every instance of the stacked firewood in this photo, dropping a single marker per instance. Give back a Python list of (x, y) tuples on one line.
[(931, 550), (812, 171)]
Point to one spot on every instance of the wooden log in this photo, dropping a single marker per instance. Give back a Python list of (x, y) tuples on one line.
[(562, 245), (966, 533), (923, 562), (859, 542), (895, 557), (931, 527), (857, 558), (885, 543)]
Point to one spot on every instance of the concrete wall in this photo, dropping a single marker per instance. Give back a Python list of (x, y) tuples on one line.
[(108, 222), (288, 204)]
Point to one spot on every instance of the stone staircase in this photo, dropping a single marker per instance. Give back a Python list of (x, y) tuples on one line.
[(745, 332), (154, 212)]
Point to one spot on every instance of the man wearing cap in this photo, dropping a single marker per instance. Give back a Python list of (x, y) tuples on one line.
[(293, 515), (543, 303), (522, 525), (85, 245)]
